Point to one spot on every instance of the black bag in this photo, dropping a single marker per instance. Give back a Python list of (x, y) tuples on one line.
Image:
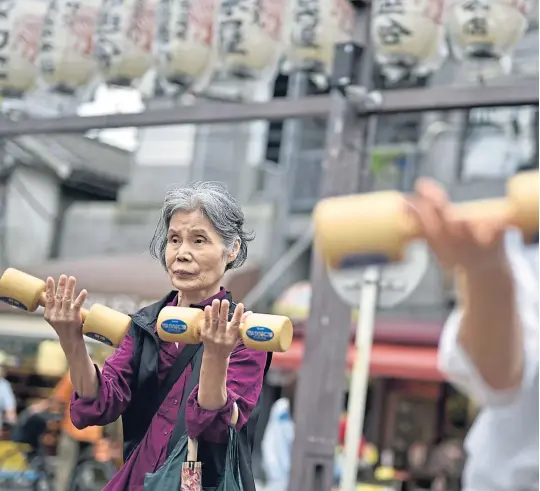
[(167, 477)]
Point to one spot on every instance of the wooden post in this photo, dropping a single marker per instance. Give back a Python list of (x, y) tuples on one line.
[(319, 394)]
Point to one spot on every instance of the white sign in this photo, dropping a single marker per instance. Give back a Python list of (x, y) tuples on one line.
[(21, 23), (486, 28), (314, 28), (409, 34), (248, 36), (184, 38), (125, 38), (66, 58)]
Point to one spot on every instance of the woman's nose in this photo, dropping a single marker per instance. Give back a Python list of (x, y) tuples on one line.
[(183, 253)]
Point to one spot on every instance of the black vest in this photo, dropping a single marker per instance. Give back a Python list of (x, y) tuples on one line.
[(136, 419)]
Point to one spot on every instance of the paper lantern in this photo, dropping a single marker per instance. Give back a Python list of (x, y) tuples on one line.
[(248, 36), (21, 23), (484, 29), (408, 34), (314, 28), (124, 39), (66, 58), (184, 38)]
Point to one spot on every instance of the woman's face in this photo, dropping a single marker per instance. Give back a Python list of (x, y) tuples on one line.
[(195, 255)]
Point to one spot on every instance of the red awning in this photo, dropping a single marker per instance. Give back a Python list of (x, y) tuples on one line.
[(402, 362)]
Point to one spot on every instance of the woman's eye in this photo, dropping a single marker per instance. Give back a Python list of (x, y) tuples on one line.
[(199, 241), (173, 240)]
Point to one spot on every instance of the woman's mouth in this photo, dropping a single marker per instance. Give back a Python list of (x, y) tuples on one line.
[(184, 274)]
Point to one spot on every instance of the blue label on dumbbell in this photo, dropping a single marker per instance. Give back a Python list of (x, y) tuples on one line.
[(12, 301), (99, 337), (260, 333), (174, 326), (361, 260)]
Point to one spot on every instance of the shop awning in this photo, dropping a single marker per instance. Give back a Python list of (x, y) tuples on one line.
[(387, 360)]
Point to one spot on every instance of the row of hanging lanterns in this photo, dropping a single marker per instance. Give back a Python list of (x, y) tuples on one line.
[(67, 43), (411, 35)]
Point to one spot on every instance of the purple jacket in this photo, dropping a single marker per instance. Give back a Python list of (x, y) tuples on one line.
[(244, 384)]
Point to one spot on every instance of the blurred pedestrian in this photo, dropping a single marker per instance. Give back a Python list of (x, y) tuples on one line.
[(489, 346), (278, 439), (8, 403)]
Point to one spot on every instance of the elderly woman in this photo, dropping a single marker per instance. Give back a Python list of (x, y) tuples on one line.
[(200, 235)]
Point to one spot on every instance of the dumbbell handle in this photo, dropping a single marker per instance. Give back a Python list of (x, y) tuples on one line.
[(43, 301), (500, 209)]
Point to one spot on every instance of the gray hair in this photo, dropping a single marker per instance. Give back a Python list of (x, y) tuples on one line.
[(217, 204)]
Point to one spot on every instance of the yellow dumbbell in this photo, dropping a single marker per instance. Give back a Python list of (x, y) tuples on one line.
[(357, 230), (261, 332), (27, 293)]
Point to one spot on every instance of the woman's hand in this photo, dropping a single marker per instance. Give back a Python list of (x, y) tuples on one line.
[(455, 240), (62, 311), (219, 336)]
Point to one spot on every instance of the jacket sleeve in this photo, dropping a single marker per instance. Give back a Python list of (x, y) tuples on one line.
[(457, 366), (244, 384), (114, 390)]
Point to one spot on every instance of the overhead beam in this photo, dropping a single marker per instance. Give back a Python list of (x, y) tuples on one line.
[(392, 101), (522, 93)]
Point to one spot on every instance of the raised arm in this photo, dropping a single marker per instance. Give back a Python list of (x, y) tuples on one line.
[(231, 377), (99, 398), (483, 344), (489, 346), (113, 390)]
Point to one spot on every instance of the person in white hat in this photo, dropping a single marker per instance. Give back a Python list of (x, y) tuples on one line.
[(489, 345)]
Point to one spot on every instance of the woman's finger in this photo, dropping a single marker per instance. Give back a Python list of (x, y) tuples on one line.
[(49, 294), (215, 316), (234, 325), (69, 293), (59, 297), (223, 316), (246, 315), (207, 319), (79, 301)]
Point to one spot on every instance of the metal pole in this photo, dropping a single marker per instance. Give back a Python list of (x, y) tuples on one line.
[(279, 268), (291, 145), (360, 376)]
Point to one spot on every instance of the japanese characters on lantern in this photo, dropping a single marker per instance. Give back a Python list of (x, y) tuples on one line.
[(486, 29), (66, 58), (249, 36), (409, 35), (124, 39), (314, 28), (21, 23), (184, 38)]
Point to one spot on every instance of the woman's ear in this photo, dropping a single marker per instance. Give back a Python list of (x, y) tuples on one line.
[(234, 253)]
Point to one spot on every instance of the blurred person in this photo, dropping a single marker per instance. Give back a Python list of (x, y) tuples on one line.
[(489, 345), (8, 403), (72, 441), (278, 439), (200, 235)]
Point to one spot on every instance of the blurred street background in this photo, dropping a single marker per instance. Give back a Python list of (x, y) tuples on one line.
[(85, 202)]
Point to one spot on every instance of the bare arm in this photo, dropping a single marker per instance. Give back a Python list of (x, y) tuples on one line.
[(81, 368), (11, 416), (212, 392), (490, 331)]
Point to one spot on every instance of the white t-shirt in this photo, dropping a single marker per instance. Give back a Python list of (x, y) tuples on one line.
[(502, 445), (7, 399)]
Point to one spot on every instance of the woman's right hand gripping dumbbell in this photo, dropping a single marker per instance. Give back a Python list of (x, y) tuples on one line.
[(63, 310), (63, 313)]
